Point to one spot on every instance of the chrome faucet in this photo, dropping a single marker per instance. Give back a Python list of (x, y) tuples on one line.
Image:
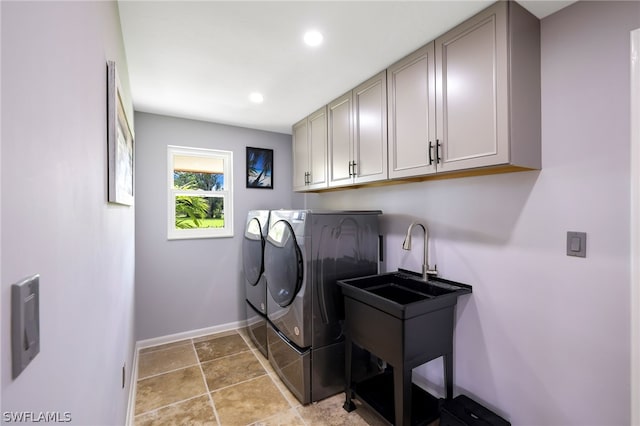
[(425, 263)]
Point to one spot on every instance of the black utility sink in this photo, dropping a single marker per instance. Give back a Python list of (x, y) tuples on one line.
[(397, 293), (403, 294), (405, 321)]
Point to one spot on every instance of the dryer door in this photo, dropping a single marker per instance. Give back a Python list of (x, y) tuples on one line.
[(283, 264), (252, 252)]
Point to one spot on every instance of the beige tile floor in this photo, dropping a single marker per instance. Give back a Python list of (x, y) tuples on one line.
[(223, 379)]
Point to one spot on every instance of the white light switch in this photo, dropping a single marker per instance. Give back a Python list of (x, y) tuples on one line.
[(577, 244), (25, 323)]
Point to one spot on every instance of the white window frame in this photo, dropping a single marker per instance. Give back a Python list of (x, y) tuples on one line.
[(226, 194)]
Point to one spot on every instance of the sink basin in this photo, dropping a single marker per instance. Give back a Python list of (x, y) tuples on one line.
[(397, 293), (406, 322), (403, 294)]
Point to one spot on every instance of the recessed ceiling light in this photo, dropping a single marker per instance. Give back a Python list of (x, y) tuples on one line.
[(256, 98), (313, 38)]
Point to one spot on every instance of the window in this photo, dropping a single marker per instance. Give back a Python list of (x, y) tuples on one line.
[(200, 183)]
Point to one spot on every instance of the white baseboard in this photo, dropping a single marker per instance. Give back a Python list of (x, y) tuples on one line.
[(141, 344), (155, 341)]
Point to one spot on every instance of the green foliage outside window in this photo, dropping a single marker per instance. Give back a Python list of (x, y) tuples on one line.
[(193, 211)]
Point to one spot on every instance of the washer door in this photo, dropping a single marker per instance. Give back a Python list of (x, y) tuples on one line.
[(253, 252), (283, 263)]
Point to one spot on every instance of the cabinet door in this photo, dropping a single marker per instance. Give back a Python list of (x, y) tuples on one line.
[(472, 92), (340, 140), (412, 114), (318, 149), (370, 126), (300, 142)]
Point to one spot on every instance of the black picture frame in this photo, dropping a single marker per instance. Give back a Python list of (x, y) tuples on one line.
[(259, 168)]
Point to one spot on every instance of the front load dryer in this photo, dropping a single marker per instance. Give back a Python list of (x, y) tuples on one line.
[(306, 252), (253, 244)]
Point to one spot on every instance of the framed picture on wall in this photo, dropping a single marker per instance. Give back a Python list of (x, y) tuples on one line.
[(259, 168), (120, 142)]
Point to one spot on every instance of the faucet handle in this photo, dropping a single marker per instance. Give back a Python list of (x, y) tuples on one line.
[(426, 271)]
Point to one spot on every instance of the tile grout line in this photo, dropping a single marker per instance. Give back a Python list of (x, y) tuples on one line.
[(139, 379), (169, 405), (239, 383), (249, 349), (164, 347), (168, 371), (259, 356), (278, 383), (140, 355), (223, 357), (256, 353), (261, 421), (190, 343), (206, 385)]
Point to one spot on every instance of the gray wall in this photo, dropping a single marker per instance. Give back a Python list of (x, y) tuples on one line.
[(55, 217), (186, 285), (544, 338)]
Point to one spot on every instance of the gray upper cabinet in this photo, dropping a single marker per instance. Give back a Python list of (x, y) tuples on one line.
[(340, 139), (412, 117), (370, 130), (318, 149), (488, 91), (300, 144), (310, 152), (358, 134), (467, 103)]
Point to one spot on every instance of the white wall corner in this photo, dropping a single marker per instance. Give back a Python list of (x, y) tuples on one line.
[(133, 388), (635, 227)]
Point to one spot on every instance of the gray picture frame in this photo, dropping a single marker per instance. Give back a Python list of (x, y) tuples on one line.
[(120, 141)]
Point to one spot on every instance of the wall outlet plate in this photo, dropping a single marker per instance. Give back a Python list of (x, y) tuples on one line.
[(577, 244), (25, 323)]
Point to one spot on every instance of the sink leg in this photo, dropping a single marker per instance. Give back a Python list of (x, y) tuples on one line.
[(348, 406), (402, 396), (448, 374)]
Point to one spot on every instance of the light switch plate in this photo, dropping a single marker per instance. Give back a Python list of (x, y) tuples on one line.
[(25, 323), (577, 244)]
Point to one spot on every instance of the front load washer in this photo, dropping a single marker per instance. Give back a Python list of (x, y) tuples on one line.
[(253, 244), (306, 252)]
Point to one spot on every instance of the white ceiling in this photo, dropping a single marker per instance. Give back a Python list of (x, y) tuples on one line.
[(201, 60)]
